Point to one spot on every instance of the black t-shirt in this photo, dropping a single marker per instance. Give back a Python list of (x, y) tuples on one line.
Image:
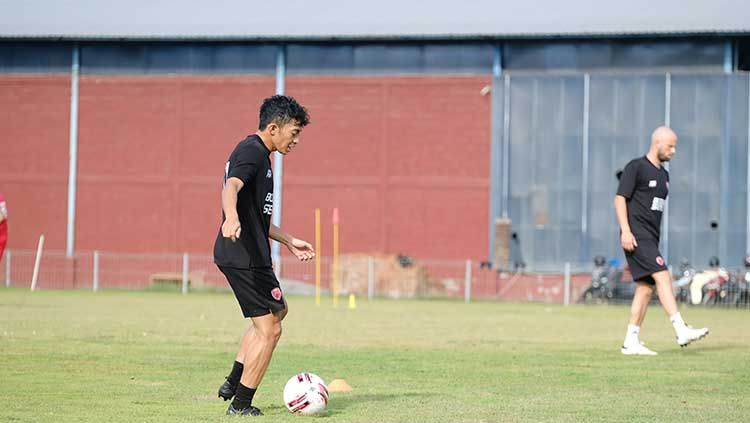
[(645, 187), (251, 163)]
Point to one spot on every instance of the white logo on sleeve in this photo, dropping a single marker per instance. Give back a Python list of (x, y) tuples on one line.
[(3, 210), (658, 204), (652, 183), (268, 207), (269, 173)]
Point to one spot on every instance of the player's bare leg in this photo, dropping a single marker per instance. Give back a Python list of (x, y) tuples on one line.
[(258, 356), (263, 341), (641, 298), (229, 387), (685, 334), (664, 289), (247, 338), (632, 344), (245, 344)]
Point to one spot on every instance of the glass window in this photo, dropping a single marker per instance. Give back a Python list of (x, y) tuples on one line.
[(613, 54), (395, 58), (181, 58), (743, 54), (35, 57)]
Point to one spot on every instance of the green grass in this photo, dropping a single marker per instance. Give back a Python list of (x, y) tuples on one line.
[(72, 356)]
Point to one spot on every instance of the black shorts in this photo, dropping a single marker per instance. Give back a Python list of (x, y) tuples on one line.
[(257, 290), (645, 260)]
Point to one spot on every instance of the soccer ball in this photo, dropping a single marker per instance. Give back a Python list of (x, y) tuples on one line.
[(305, 393)]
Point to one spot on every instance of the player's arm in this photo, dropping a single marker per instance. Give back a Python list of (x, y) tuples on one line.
[(301, 249), (627, 240), (231, 226), (625, 190)]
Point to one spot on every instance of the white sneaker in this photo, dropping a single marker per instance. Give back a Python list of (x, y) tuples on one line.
[(687, 335), (637, 349)]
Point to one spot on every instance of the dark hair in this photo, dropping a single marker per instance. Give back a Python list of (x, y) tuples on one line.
[(281, 109)]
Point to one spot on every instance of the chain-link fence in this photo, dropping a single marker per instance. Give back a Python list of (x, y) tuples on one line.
[(366, 276), (362, 275)]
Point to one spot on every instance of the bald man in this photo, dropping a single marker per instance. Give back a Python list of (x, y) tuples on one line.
[(639, 205)]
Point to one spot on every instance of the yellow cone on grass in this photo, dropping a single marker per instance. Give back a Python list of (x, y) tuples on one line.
[(352, 302), (339, 385)]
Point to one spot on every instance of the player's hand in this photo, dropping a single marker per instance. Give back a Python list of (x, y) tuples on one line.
[(301, 249), (628, 242), (231, 229)]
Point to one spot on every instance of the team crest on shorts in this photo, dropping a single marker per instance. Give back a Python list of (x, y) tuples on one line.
[(276, 294), (659, 261)]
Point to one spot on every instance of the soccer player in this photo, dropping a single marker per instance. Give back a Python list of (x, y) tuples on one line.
[(242, 249), (3, 225), (639, 204)]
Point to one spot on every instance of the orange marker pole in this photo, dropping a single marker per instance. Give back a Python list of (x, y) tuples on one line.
[(335, 269), (317, 257)]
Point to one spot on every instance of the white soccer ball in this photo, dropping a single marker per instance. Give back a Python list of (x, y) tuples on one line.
[(305, 393)]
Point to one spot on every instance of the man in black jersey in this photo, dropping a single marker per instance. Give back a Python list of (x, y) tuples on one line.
[(242, 248), (639, 204)]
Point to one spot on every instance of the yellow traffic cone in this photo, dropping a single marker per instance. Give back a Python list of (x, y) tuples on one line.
[(352, 302), (339, 385)]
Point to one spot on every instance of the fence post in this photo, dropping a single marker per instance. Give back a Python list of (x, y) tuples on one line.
[(185, 270), (566, 285), (370, 278), (467, 282), (7, 268), (38, 260), (96, 271)]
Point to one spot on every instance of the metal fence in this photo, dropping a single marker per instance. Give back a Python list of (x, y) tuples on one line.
[(362, 275), (366, 276)]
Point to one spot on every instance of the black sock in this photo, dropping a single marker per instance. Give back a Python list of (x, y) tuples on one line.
[(236, 373), (243, 398)]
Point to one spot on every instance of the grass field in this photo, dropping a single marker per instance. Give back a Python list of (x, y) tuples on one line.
[(70, 356)]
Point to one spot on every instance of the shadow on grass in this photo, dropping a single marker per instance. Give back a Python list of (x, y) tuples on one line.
[(341, 401), (697, 349)]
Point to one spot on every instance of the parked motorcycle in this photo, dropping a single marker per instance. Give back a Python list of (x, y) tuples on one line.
[(738, 293), (706, 285), (744, 294), (681, 284), (729, 291), (604, 279)]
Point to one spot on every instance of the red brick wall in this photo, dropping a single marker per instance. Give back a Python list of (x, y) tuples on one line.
[(406, 159), (151, 158), (34, 123)]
